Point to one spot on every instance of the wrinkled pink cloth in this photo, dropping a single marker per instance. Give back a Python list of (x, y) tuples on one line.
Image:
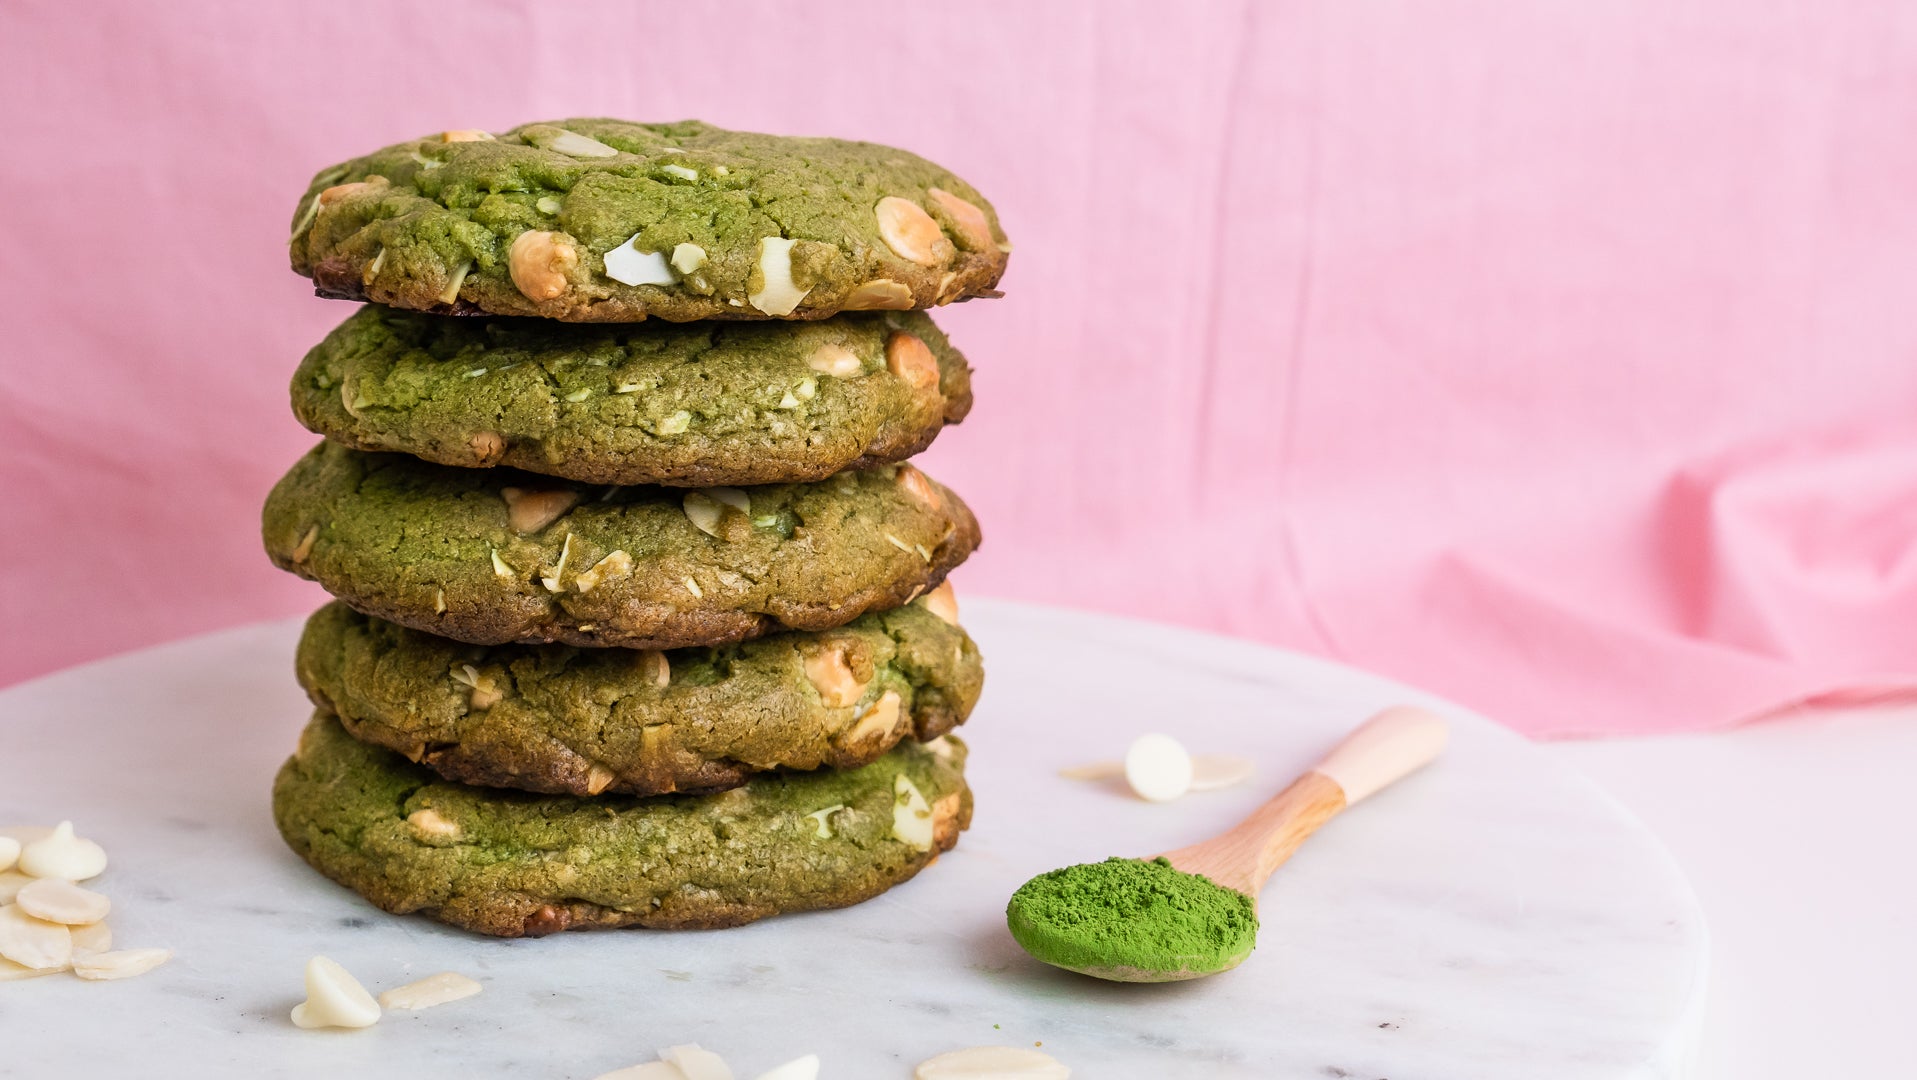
[(1558, 358)]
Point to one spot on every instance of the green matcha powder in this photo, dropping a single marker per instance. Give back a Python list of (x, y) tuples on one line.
[(1125, 917)]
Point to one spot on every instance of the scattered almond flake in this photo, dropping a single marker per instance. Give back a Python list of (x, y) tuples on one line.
[(910, 232), (577, 145), (12, 972), (628, 265), (687, 258), (997, 1062), (823, 817), (91, 938), (305, 547), (696, 1062), (777, 296), (62, 902), (11, 882), (372, 269), (439, 601), (679, 171), (730, 496), (627, 388), (466, 675), (334, 998), (430, 991), (500, 567), (547, 205), (704, 512), (306, 217), (835, 360), (476, 373), (911, 815), (427, 821), (897, 543), (693, 588), (347, 397), (924, 552), (676, 424), (578, 395), (124, 964), (60, 854), (34, 943), (616, 565), (552, 580), (450, 294)]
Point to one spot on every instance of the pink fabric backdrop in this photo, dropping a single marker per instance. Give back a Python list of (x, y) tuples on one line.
[(1559, 357)]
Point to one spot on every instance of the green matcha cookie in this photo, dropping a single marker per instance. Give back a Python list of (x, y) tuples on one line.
[(511, 863), (609, 221), (697, 404), (558, 719), (490, 556)]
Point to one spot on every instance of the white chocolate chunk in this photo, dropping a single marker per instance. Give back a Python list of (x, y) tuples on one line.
[(911, 815), (10, 971), (1211, 772), (616, 565), (824, 818), (679, 171), (805, 1068), (430, 991), (835, 360), (688, 257), (1158, 768), (9, 852), (63, 902), (696, 1062), (11, 882), (34, 943), (704, 512), (577, 145), (628, 265), (992, 1063), (676, 424), (63, 855), (778, 296), (124, 964), (651, 1070), (334, 998), (878, 720), (89, 939)]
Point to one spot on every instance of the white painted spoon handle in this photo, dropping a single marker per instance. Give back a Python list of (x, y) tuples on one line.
[(1383, 750)]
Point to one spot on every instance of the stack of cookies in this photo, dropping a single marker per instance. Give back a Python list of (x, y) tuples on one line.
[(640, 614)]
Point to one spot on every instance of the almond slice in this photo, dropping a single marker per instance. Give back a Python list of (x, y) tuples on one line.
[(34, 943), (430, 991), (62, 902), (124, 964)]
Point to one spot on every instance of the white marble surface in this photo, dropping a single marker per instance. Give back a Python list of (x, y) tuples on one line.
[(1494, 917)]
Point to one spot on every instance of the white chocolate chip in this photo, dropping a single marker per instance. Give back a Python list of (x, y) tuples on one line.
[(777, 296), (579, 395), (805, 1068), (334, 998), (1158, 768), (9, 852), (688, 257), (531, 511), (883, 294), (539, 262), (627, 265), (911, 360), (693, 588), (547, 205), (696, 1063), (428, 822), (63, 855), (992, 1063), (835, 360), (832, 676), (676, 424), (91, 938), (62, 902), (824, 818), (500, 567), (878, 720), (679, 171), (911, 815), (577, 145), (34, 943), (942, 602), (910, 232), (124, 964), (616, 565), (430, 991)]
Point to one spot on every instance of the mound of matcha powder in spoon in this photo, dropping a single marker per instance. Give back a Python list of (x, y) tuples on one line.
[(1132, 920)]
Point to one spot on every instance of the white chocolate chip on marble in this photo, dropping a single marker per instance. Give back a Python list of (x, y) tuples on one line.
[(531, 511), (942, 602), (539, 262), (62, 902), (124, 964), (627, 265), (777, 295), (466, 135), (911, 815), (687, 258), (968, 220), (63, 855), (911, 360), (430, 991), (830, 674), (910, 232), (835, 360), (334, 998), (1158, 768), (34, 943), (992, 1063), (883, 294), (614, 566)]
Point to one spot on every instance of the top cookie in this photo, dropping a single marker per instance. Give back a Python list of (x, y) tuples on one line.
[(609, 221)]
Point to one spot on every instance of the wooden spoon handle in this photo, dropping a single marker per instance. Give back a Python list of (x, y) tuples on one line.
[(1386, 748)]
